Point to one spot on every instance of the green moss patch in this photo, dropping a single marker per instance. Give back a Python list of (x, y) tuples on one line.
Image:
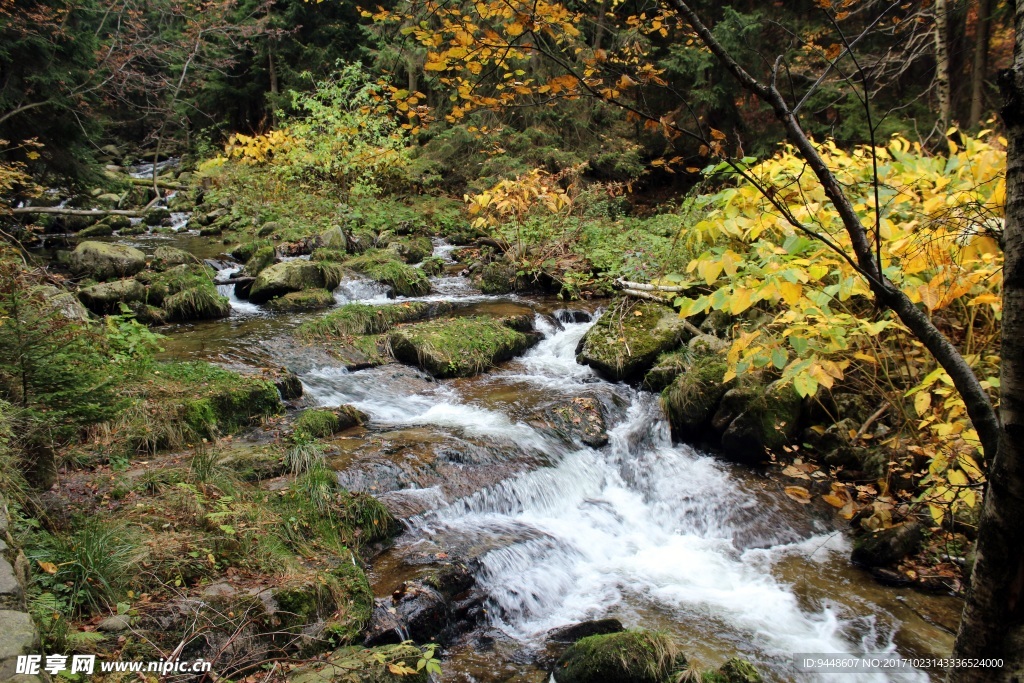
[(634, 656), (690, 400), (353, 319), (458, 347), (383, 267), (308, 300), (628, 338)]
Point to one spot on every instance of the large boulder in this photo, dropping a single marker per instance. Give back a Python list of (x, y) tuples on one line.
[(293, 276), (106, 297), (168, 257), (765, 418), (459, 347), (308, 300), (634, 656), (628, 338), (103, 261), (577, 420), (691, 399)]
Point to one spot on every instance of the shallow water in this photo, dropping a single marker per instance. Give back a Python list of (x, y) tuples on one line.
[(656, 534)]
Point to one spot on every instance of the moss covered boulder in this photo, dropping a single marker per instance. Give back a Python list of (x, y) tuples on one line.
[(382, 266), (293, 276), (633, 656), (212, 400), (106, 297), (692, 398), (628, 338), (119, 222), (186, 292), (166, 257), (307, 300), (97, 230), (458, 347), (261, 259), (411, 249), (765, 418), (887, 546), (103, 261), (318, 423), (368, 319), (497, 277)]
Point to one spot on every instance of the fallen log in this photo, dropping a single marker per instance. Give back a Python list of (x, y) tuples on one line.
[(77, 212), (640, 286), (241, 280), (162, 184)]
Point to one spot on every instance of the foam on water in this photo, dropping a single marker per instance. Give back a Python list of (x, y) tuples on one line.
[(238, 306)]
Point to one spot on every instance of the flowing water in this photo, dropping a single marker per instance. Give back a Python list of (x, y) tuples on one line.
[(654, 533)]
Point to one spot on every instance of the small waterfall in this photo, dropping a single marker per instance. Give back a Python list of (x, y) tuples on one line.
[(238, 306)]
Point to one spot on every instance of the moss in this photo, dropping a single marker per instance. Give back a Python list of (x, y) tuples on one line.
[(316, 423), (498, 277), (354, 600), (307, 300), (218, 400), (633, 656), (366, 319), (691, 399), (382, 266), (243, 252), (261, 259), (328, 254), (199, 303), (411, 249), (458, 347), (294, 276), (736, 670), (433, 266), (628, 338)]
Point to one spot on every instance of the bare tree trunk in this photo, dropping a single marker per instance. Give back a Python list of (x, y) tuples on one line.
[(599, 31), (411, 75), (992, 625), (979, 69), (272, 69), (942, 66)]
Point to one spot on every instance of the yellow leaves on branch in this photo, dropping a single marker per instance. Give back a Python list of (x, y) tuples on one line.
[(258, 149), (512, 200)]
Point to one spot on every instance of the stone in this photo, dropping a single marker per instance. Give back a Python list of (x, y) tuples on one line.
[(121, 223), (887, 546), (634, 656), (167, 257), (292, 276), (768, 420), (97, 230), (18, 636), (103, 261), (157, 216), (628, 338), (106, 297), (580, 420), (117, 623), (458, 347), (736, 670), (308, 300), (382, 266), (584, 629), (12, 593)]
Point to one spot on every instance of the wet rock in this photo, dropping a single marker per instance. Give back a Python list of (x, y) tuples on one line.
[(411, 249), (354, 319), (579, 420), (627, 339), (458, 347), (585, 629), (115, 624), (887, 546), (261, 259), (290, 387), (634, 656), (319, 423), (570, 315), (102, 261), (120, 223), (106, 296), (308, 300), (433, 266), (293, 276), (497, 277), (693, 397), (165, 258)]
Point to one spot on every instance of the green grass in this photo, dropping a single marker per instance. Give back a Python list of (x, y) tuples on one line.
[(457, 347), (304, 457), (353, 319), (316, 423)]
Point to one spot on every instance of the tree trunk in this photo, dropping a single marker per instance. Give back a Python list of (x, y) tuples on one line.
[(992, 625), (980, 68), (942, 66)]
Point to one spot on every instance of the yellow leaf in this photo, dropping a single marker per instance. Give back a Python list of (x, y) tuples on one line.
[(740, 300), (937, 513), (799, 494), (956, 478), (834, 500), (514, 29), (48, 567), (790, 292), (922, 402)]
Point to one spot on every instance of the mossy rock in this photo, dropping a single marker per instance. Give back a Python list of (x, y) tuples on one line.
[(357, 318), (97, 230), (497, 277), (106, 297), (382, 266), (887, 546), (308, 300), (458, 347), (165, 258), (736, 670), (364, 665), (633, 656), (198, 303), (133, 229), (580, 419), (218, 400), (261, 259), (354, 602), (162, 284), (318, 423), (119, 223), (433, 266), (691, 399), (769, 420), (103, 261), (156, 216), (243, 252), (628, 338), (294, 276), (186, 292), (411, 249), (252, 462)]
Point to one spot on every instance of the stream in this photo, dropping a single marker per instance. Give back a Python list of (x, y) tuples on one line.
[(656, 534)]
